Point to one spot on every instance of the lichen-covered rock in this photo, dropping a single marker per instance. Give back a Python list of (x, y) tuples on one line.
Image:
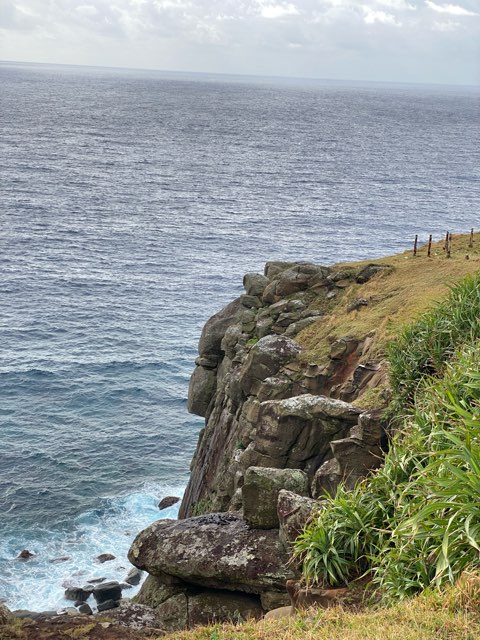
[(173, 613), (296, 433), (157, 589), (354, 456), (293, 279), (293, 511), (265, 359), (260, 493), (203, 383), (135, 616), (218, 551), (274, 267), (300, 325)]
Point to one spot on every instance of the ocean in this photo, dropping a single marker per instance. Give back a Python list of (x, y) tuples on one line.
[(132, 204)]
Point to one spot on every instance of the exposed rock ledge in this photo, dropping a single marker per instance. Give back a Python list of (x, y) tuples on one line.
[(280, 432)]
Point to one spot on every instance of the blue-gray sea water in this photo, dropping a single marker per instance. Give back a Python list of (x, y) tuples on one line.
[(132, 204)]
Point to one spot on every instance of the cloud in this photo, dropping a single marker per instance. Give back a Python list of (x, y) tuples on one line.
[(278, 10), (86, 10), (397, 39), (371, 17), (450, 9)]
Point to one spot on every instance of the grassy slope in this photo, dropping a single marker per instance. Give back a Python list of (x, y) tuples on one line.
[(395, 298)]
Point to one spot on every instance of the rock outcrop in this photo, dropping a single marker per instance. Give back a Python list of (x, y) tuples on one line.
[(280, 432)]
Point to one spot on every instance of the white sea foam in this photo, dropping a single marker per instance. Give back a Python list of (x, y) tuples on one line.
[(39, 584)]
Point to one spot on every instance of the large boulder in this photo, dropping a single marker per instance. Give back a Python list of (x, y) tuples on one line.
[(106, 591), (260, 493), (218, 550), (210, 342), (265, 359), (296, 433), (293, 279), (254, 284), (203, 383)]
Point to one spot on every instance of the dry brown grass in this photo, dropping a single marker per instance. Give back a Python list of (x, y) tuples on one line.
[(451, 615), (428, 617), (394, 298)]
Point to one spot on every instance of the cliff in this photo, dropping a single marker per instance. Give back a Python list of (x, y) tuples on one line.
[(292, 381)]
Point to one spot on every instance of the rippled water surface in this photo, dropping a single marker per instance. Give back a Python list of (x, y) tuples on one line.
[(132, 204)]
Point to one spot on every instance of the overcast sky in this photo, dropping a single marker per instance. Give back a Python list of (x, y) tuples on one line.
[(397, 40)]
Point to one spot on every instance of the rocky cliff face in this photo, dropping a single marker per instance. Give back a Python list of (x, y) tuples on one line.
[(280, 431), (265, 404)]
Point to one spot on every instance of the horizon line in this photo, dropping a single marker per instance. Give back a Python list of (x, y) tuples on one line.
[(239, 75)]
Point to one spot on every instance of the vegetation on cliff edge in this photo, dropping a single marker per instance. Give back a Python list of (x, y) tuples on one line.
[(416, 522), (394, 298)]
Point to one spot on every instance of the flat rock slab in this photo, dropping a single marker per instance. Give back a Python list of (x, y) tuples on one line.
[(217, 550)]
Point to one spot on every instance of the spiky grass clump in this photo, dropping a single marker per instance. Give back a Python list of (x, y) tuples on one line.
[(416, 522), (426, 346)]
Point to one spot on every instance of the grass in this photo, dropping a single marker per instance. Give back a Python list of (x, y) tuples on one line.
[(416, 522), (395, 298), (451, 615)]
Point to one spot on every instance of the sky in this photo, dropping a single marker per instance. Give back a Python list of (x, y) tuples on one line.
[(432, 41)]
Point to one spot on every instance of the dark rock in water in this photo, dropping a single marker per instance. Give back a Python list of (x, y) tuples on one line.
[(105, 557), (79, 594), (25, 555), (85, 608), (169, 501), (125, 585), (134, 577), (59, 560), (108, 604), (96, 580), (107, 591)]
